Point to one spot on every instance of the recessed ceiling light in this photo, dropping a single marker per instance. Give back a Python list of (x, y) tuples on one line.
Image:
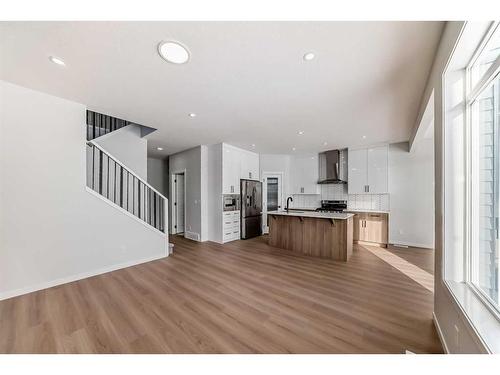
[(293, 148), (173, 52), (364, 137), (309, 56), (325, 143), (301, 132), (253, 144), (159, 148), (192, 115), (57, 60)]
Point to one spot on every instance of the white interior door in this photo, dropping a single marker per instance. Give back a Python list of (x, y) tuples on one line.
[(272, 196), (179, 203)]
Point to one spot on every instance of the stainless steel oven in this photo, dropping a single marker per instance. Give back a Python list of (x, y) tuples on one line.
[(230, 202)]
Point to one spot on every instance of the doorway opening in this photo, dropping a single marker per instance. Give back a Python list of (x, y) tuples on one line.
[(272, 195), (178, 199)]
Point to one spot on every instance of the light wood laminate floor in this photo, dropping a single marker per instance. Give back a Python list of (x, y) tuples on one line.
[(241, 297)]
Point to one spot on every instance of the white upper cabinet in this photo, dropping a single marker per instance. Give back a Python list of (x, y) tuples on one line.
[(357, 176), (304, 174), (249, 165), (378, 160), (231, 166), (368, 170), (237, 164)]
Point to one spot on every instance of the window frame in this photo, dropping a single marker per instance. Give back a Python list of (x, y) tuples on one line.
[(473, 92)]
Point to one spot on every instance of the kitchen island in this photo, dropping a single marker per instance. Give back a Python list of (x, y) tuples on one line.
[(318, 234)]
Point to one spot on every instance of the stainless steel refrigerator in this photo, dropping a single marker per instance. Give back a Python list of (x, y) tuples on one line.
[(251, 208)]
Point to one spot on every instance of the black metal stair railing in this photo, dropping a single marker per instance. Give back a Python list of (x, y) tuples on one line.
[(99, 124), (112, 180)]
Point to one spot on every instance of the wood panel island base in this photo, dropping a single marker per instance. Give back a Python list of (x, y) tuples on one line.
[(325, 235)]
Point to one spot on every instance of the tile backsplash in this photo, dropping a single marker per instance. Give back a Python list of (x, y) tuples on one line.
[(368, 202), (339, 192), (306, 201)]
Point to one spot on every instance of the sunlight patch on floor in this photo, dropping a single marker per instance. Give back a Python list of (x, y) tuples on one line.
[(413, 272)]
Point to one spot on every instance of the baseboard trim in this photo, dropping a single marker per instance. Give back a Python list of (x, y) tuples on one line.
[(370, 243), (440, 333), (69, 279), (412, 244)]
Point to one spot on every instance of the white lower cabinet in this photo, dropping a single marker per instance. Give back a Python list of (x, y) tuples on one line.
[(230, 226)]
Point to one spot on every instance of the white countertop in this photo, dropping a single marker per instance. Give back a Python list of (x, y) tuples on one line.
[(346, 210), (303, 208), (368, 211), (318, 215)]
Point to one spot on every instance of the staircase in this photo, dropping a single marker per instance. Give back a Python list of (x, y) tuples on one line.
[(119, 185)]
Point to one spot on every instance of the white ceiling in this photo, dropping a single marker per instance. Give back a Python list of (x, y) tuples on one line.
[(246, 81)]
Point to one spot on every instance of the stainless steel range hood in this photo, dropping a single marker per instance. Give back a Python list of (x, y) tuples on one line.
[(333, 167)]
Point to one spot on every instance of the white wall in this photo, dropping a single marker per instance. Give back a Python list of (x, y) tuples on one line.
[(214, 192), (52, 230), (128, 147), (204, 192), (189, 162), (411, 183), (158, 174)]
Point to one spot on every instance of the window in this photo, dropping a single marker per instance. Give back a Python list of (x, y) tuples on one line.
[(484, 177), (486, 58)]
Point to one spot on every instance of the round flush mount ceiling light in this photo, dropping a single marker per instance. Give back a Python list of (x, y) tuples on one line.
[(309, 56), (57, 60), (173, 52)]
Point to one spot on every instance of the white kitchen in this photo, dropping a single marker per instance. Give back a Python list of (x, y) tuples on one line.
[(387, 187)]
